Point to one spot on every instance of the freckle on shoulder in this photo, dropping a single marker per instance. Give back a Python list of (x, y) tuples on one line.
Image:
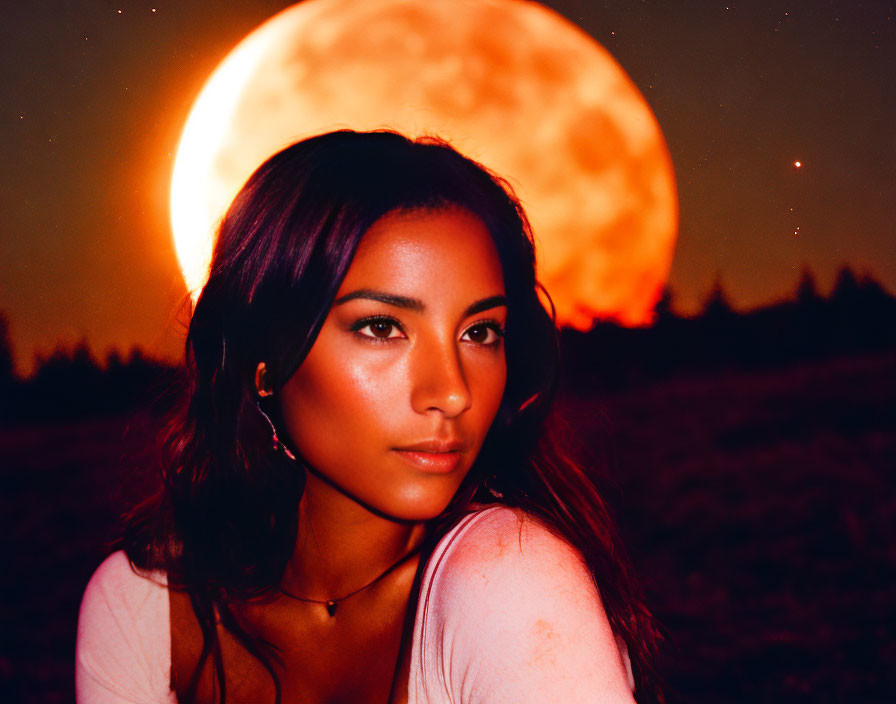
[(544, 630)]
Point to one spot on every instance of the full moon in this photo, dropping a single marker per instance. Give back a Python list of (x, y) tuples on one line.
[(508, 83)]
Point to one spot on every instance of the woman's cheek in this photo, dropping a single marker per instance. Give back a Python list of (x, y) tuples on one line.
[(489, 377)]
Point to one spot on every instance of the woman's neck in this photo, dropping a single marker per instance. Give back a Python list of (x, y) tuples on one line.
[(341, 545)]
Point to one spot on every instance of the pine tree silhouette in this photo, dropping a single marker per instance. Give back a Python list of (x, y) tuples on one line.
[(846, 289), (807, 290), (863, 314), (716, 305), (66, 384), (7, 373), (8, 381), (663, 309)]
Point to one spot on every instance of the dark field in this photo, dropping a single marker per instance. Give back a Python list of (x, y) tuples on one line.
[(759, 508)]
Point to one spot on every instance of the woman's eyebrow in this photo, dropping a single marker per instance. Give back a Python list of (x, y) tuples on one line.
[(415, 304), (486, 304)]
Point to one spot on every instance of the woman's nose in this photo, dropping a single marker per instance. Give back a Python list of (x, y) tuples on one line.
[(438, 380)]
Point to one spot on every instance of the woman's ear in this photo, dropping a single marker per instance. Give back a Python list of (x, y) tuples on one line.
[(261, 380)]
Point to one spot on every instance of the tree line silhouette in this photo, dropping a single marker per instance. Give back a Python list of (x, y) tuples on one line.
[(858, 316)]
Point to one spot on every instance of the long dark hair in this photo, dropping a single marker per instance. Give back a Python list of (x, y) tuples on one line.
[(225, 523)]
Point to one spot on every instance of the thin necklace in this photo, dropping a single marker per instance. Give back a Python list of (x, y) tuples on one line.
[(332, 604)]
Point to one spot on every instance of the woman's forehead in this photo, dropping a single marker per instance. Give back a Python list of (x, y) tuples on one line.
[(415, 252)]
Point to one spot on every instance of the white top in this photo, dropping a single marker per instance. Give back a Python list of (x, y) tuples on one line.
[(506, 613)]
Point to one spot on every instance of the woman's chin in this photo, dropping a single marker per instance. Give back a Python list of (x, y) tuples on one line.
[(416, 506)]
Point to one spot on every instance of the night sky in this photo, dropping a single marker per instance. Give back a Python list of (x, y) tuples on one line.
[(93, 101)]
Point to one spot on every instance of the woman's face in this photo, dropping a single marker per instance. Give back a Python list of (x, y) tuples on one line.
[(395, 398)]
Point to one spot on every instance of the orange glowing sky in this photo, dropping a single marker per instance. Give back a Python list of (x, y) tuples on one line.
[(96, 101)]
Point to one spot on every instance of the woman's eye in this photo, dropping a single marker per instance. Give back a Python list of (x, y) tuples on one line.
[(380, 329), (485, 333)]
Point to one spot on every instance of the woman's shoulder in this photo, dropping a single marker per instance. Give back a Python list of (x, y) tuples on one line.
[(502, 556), (511, 596), (119, 586), (123, 632), (497, 539), (117, 569)]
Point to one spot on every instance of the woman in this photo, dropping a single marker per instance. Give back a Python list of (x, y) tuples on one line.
[(362, 499)]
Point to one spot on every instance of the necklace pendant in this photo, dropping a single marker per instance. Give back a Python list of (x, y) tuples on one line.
[(331, 608)]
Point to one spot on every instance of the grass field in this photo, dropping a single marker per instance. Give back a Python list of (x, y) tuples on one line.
[(759, 509)]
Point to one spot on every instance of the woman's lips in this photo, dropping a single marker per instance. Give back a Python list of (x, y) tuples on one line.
[(435, 462)]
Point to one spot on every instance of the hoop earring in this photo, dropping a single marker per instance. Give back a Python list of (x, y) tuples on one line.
[(491, 490), (277, 445)]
